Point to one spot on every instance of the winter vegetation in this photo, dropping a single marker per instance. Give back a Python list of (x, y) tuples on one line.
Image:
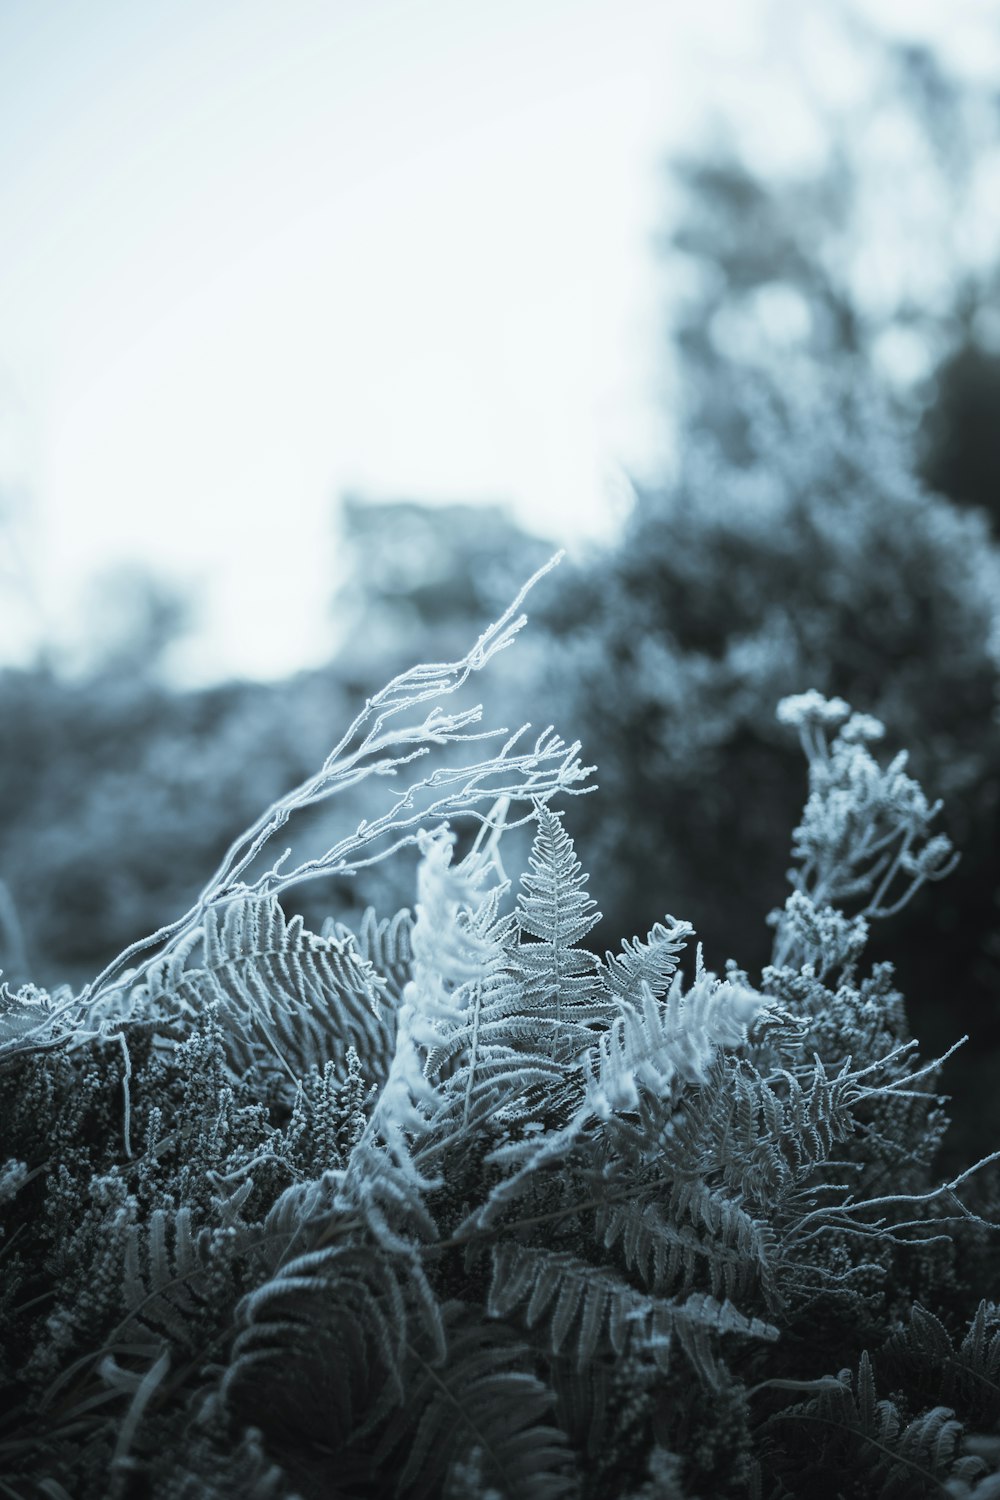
[(355, 1142), (451, 1205)]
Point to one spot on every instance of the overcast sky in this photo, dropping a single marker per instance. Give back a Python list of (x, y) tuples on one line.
[(258, 252)]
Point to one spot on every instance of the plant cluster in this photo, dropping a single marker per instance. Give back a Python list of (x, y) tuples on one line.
[(451, 1206)]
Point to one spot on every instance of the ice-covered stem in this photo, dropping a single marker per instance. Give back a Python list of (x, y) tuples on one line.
[(865, 831), (375, 745), (837, 1218)]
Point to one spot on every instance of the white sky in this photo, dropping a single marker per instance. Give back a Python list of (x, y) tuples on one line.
[(256, 252)]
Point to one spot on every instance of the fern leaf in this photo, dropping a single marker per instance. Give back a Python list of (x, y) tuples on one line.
[(607, 1313), (924, 1355), (673, 1246), (304, 999), (651, 963), (32, 1020), (554, 909), (851, 1430), (383, 942), (169, 1278), (321, 1347), (552, 904), (484, 1399), (661, 1043), (700, 1319)]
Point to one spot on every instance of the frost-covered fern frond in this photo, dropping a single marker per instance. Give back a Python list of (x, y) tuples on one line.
[(451, 951), (492, 1068), (666, 1044), (641, 1065), (289, 998), (699, 1236), (652, 962), (32, 1018), (497, 1060), (778, 1129), (452, 956), (390, 1169), (384, 942), (592, 1310), (554, 914)]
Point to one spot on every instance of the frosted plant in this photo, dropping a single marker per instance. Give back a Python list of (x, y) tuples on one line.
[(865, 834), (452, 1206)]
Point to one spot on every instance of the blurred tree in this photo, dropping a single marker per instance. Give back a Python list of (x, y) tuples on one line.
[(962, 428), (118, 797), (815, 561), (134, 616), (883, 247), (118, 794)]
